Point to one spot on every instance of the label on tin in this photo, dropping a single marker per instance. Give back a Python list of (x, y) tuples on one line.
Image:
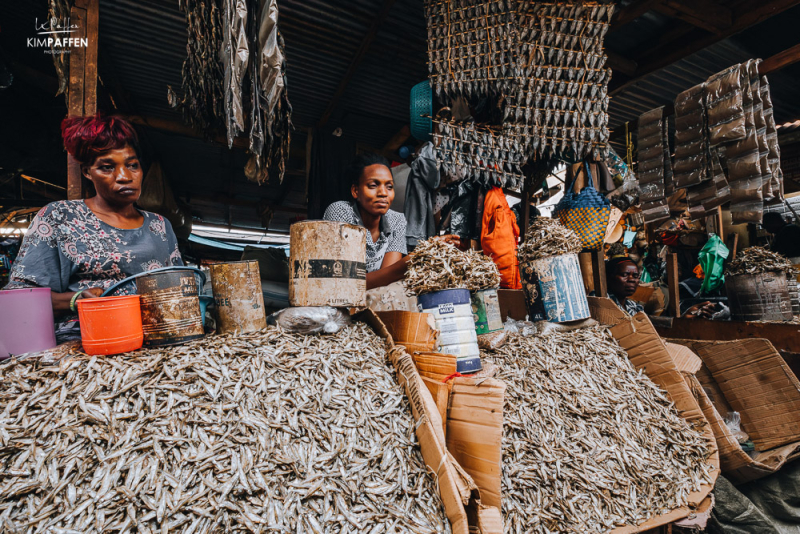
[(330, 269)]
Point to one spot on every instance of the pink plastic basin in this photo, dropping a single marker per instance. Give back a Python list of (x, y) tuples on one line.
[(26, 321)]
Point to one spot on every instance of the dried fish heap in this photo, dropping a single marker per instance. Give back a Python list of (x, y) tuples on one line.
[(589, 443), (547, 237), (435, 266), (539, 70), (757, 260), (263, 432)]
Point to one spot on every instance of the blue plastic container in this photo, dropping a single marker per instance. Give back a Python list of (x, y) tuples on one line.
[(554, 289), (421, 104)]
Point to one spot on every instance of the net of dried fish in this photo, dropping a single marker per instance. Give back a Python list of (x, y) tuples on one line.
[(547, 237), (435, 265), (589, 443), (756, 260), (262, 432)]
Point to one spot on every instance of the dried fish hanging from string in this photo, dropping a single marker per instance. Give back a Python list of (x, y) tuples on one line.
[(547, 237), (235, 54), (202, 103), (589, 443), (653, 158), (757, 260), (435, 265), (266, 431)]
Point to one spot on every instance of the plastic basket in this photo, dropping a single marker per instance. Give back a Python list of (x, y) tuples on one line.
[(421, 104)]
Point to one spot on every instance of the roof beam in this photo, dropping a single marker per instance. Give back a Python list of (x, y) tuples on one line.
[(704, 14), (669, 53), (633, 11), (356, 61)]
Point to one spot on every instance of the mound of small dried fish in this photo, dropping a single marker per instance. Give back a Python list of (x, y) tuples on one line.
[(756, 260), (589, 443), (435, 265), (264, 432), (547, 237)]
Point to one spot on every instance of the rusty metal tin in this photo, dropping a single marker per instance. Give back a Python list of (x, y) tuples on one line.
[(170, 308), (238, 296)]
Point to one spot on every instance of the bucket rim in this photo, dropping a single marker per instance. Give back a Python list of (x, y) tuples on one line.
[(27, 289), (106, 300)]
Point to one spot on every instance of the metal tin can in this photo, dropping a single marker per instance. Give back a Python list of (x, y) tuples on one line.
[(238, 296), (170, 308)]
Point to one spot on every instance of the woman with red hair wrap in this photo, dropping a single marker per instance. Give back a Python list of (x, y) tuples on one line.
[(78, 248)]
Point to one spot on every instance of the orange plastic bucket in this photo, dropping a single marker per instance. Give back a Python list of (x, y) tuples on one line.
[(110, 325)]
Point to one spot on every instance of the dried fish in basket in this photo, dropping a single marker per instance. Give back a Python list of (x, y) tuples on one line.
[(589, 443), (547, 237), (262, 432), (756, 260), (435, 265)]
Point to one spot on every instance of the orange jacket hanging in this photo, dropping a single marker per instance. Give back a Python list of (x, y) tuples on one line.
[(499, 234)]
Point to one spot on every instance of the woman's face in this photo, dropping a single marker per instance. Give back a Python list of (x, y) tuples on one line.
[(375, 190), (625, 281), (116, 176)]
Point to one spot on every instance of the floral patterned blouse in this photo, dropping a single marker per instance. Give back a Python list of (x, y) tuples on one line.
[(68, 248)]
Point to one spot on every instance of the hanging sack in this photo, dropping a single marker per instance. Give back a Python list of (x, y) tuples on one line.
[(586, 213)]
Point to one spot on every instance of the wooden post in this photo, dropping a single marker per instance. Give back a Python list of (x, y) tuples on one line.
[(714, 223), (673, 285), (526, 208), (599, 273), (82, 91)]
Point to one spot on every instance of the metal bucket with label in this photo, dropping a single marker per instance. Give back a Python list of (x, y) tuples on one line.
[(327, 264), (170, 307), (554, 289), (238, 296), (452, 311), (759, 297)]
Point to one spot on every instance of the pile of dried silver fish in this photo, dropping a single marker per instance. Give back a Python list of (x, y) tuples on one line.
[(547, 237), (261, 432), (756, 260), (589, 443), (535, 74), (435, 265)]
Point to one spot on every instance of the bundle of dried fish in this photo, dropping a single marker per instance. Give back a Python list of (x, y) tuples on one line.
[(547, 237), (589, 443), (203, 101), (435, 265), (756, 260), (263, 432)]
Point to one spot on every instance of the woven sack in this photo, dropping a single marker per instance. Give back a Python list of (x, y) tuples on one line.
[(586, 213)]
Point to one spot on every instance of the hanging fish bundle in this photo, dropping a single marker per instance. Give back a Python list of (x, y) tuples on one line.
[(589, 443), (263, 432), (435, 265), (757, 260), (547, 237), (540, 64), (234, 79)]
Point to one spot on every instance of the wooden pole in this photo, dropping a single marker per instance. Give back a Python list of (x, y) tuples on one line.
[(673, 287), (599, 273), (526, 207), (82, 91)]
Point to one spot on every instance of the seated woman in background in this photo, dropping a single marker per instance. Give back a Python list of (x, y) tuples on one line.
[(372, 189), (79, 248)]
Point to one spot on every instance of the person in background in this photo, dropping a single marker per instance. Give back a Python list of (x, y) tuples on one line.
[(786, 240), (79, 248), (622, 278), (372, 189)]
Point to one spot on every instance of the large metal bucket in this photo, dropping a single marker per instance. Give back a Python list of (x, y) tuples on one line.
[(170, 307), (759, 297), (237, 293), (554, 289), (452, 312)]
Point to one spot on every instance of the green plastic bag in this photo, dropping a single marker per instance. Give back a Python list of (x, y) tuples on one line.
[(712, 258)]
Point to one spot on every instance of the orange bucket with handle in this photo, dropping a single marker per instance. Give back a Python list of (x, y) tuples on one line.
[(110, 325)]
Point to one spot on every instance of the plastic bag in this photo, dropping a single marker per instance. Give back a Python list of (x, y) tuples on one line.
[(311, 319), (712, 259), (492, 340), (734, 423)]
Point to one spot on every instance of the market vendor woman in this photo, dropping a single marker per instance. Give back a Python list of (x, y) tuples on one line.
[(79, 248), (372, 189)]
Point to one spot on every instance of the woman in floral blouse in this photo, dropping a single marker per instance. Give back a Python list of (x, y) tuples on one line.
[(79, 248)]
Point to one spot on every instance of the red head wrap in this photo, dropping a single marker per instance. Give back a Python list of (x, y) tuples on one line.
[(86, 138)]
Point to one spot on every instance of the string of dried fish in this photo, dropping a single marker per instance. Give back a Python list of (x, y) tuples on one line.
[(756, 260), (547, 237), (264, 432), (589, 443), (435, 265)]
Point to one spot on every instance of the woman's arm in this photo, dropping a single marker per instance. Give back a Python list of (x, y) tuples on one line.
[(392, 269), (61, 301)]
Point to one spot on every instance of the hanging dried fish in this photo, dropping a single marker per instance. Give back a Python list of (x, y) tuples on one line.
[(756, 260), (435, 265), (547, 237), (589, 443), (261, 432)]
